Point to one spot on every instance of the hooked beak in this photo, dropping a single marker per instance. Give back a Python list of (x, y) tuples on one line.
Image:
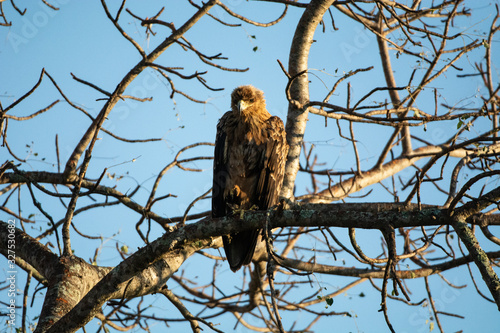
[(242, 105)]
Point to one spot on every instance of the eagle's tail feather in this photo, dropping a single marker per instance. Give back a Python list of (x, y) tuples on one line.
[(240, 247)]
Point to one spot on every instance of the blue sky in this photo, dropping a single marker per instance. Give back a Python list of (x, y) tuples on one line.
[(79, 39)]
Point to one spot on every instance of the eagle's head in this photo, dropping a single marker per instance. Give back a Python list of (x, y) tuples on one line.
[(248, 101)]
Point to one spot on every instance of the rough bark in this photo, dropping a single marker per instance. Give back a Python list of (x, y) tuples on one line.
[(70, 280)]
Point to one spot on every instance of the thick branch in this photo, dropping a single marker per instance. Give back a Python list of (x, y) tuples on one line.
[(299, 90), (28, 249), (377, 174), (480, 258), (469, 239)]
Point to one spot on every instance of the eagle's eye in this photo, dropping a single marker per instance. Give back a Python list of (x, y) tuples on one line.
[(251, 100)]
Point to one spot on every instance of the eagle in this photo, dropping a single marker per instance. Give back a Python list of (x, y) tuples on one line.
[(249, 164)]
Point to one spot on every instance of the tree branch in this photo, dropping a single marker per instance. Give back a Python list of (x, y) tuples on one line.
[(299, 90)]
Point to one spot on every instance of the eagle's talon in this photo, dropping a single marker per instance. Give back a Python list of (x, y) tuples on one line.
[(237, 211)]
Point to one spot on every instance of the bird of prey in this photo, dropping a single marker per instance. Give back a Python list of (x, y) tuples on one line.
[(249, 163)]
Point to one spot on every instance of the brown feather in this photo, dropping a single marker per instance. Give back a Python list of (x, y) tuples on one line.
[(249, 162)]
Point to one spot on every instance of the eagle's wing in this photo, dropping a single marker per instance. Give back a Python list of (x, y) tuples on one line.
[(272, 165), (219, 207)]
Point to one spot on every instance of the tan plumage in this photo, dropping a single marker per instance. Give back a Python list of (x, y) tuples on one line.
[(249, 163)]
